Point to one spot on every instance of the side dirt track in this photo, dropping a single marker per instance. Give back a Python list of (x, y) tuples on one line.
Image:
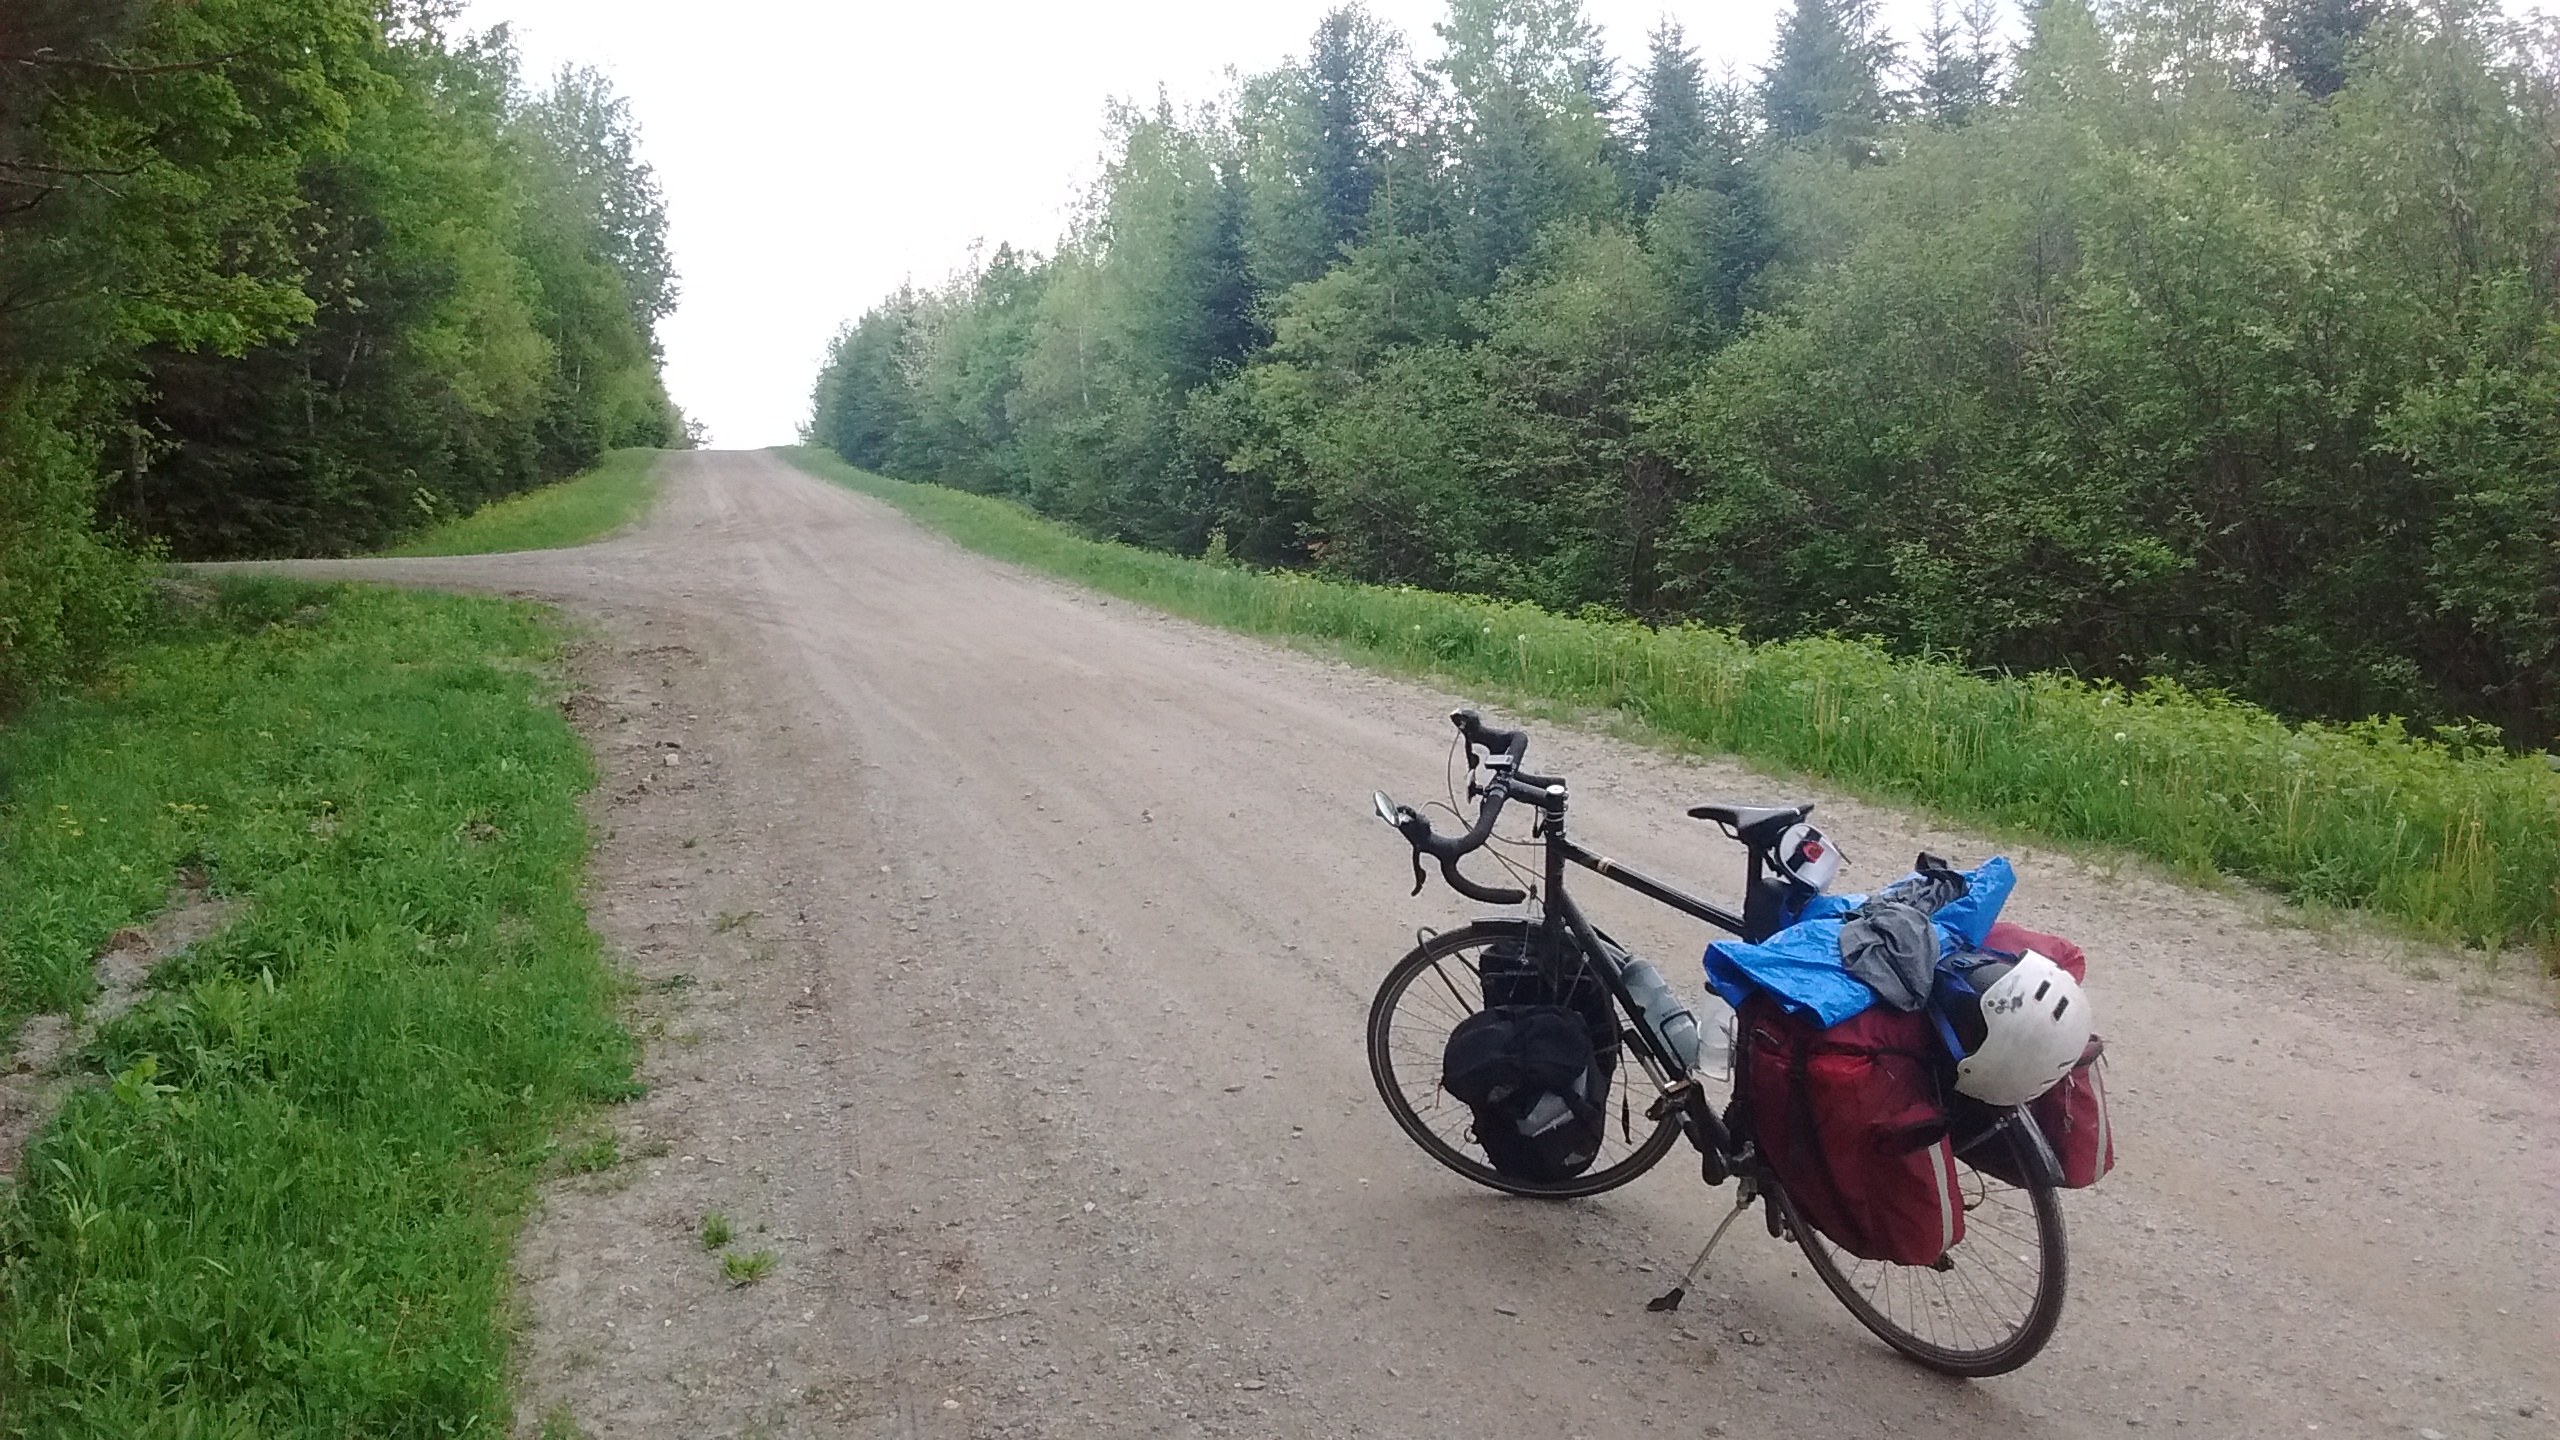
[(1005, 953)]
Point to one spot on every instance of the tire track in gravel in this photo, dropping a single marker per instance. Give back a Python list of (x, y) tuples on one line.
[(1004, 953)]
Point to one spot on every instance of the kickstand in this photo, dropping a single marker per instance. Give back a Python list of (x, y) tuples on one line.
[(1680, 1291)]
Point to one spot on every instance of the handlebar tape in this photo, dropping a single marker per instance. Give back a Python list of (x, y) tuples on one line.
[(1450, 849), (1483, 894)]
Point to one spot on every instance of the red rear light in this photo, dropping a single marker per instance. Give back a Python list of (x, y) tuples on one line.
[(1812, 850)]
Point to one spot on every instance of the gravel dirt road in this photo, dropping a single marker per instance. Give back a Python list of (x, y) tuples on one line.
[(1004, 953)]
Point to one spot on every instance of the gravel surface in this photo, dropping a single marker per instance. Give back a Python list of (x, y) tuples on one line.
[(1004, 953)]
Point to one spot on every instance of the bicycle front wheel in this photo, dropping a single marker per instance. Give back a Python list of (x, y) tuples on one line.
[(1424, 997), (1990, 1304)]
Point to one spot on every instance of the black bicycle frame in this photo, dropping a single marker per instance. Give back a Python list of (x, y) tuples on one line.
[(1565, 919), (1563, 914)]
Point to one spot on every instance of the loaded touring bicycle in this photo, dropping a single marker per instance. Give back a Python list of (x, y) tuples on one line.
[(1538, 1056)]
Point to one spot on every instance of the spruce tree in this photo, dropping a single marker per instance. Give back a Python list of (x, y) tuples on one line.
[(1528, 81), (1824, 79), (2311, 40), (1673, 137), (1958, 57), (1345, 81)]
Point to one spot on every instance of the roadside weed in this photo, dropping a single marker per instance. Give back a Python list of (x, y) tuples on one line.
[(715, 1230), (599, 1154), (748, 1268)]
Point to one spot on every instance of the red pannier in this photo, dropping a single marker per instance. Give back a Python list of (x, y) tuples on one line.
[(2073, 1114), (1852, 1121)]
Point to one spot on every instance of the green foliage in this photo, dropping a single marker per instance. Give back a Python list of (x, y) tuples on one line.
[(1312, 141), (1528, 140), (487, 269), (294, 276), (2134, 363), (616, 492), (2455, 837), (148, 159), (66, 592), (2208, 342), (746, 1267), (162, 156), (288, 1213)]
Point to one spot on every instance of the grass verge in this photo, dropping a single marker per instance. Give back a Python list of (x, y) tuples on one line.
[(585, 507), (290, 1211), (2461, 841)]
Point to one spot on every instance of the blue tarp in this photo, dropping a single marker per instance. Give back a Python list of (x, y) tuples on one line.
[(1800, 965)]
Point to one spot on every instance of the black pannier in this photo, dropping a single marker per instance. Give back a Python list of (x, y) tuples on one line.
[(1534, 1071)]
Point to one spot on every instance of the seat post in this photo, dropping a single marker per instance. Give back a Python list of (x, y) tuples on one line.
[(1764, 900)]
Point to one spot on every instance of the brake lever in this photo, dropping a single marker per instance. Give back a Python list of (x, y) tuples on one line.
[(1461, 719), (1410, 824)]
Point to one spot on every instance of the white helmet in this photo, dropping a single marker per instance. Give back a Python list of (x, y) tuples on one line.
[(1807, 858), (2035, 1027)]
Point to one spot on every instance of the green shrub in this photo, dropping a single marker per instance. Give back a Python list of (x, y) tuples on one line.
[(68, 594)]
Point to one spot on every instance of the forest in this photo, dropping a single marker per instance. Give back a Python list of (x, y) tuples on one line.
[(295, 277), (2198, 344)]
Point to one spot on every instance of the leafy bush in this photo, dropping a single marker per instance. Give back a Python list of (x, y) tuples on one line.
[(67, 594)]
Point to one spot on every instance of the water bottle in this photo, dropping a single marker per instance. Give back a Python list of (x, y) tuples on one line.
[(1722, 1047), (1663, 1011)]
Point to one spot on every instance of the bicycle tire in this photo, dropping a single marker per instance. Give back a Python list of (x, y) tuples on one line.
[(1409, 1095), (1919, 1294)]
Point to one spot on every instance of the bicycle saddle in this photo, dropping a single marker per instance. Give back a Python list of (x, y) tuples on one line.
[(1757, 826)]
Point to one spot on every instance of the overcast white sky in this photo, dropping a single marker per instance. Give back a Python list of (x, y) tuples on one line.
[(816, 154)]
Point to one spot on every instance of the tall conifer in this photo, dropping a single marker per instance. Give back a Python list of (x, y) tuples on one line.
[(1825, 78), (1673, 136)]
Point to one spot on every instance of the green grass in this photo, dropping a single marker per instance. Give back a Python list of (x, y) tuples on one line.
[(290, 1214), (746, 1269), (2458, 840), (587, 507), (593, 1156)]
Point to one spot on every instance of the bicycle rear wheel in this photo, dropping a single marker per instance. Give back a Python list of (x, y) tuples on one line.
[(1423, 998), (1990, 1304)]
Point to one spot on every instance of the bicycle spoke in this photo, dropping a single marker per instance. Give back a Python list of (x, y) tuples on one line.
[(1409, 1030), (1466, 1002), (1963, 1274), (1986, 1311)]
